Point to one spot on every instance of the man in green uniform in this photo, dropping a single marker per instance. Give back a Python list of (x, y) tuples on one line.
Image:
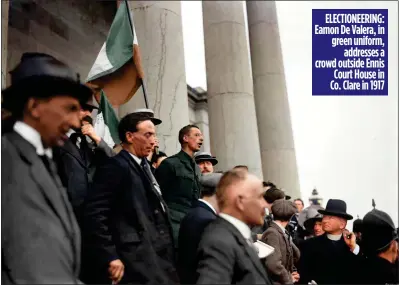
[(178, 177)]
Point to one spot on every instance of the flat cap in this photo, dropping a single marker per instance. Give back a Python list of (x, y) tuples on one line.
[(283, 209), (210, 180)]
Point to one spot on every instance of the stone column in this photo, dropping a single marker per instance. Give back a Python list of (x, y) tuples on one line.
[(5, 7), (159, 31), (232, 119), (271, 101)]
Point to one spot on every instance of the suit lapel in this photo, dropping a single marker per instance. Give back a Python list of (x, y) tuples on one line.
[(139, 171), (73, 150), (43, 179), (250, 251)]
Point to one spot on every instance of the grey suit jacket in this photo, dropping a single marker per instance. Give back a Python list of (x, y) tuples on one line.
[(225, 257), (40, 237), (280, 263)]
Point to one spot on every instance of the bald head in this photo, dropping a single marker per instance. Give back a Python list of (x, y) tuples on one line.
[(240, 194)]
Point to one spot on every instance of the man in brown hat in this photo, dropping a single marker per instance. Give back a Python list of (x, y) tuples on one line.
[(332, 257), (280, 264), (127, 232), (40, 236)]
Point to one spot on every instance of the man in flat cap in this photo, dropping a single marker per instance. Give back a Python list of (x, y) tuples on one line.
[(127, 231), (193, 225), (78, 158), (226, 253), (205, 161), (281, 263), (40, 235), (178, 175), (380, 246), (331, 258)]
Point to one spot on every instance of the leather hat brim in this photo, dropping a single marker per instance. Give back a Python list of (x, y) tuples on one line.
[(156, 121), (337, 214), (43, 87), (213, 160)]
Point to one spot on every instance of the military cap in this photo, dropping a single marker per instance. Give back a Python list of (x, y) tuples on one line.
[(378, 231), (205, 156), (147, 113)]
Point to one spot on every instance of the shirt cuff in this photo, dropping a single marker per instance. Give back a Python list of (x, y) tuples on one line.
[(356, 250)]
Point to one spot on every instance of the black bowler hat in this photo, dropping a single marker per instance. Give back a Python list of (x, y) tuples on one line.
[(42, 76), (378, 231), (336, 207), (147, 113), (205, 156)]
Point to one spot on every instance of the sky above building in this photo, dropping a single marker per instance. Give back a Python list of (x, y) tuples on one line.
[(347, 147)]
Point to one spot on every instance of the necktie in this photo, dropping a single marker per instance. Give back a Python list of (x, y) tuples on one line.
[(150, 176), (79, 140), (46, 163)]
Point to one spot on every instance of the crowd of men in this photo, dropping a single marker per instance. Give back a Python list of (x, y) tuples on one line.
[(76, 210)]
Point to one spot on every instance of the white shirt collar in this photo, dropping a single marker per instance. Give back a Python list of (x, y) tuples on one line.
[(138, 160), (280, 226), (208, 204), (70, 132), (334, 237), (240, 225), (33, 137)]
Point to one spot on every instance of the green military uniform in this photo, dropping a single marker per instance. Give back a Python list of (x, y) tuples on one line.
[(178, 177)]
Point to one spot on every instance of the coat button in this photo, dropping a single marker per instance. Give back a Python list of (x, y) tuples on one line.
[(156, 211)]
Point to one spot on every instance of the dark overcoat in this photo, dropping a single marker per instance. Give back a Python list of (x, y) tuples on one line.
[(126, 219)]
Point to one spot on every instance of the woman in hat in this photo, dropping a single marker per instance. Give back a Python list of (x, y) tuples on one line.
[(280, 264)]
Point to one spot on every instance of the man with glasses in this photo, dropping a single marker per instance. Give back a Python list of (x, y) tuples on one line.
[(128, 236), (178, 176)]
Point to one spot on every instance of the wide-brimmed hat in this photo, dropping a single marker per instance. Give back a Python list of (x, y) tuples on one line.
[(378, 231), (309, 223), (307, 213), (337, 208), (42, 76), (205, 156), (147, 113)]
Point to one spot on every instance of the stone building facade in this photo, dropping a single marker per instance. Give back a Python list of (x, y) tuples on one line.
[(232, 113)]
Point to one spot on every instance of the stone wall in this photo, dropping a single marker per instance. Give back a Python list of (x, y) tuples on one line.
[(72, 31)]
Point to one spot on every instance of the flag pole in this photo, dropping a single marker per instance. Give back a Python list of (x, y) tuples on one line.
[(141, 79)]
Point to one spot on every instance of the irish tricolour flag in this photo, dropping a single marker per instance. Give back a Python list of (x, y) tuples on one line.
[(116, 73)]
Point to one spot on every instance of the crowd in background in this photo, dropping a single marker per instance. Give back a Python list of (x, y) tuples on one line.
[(76, 210)]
